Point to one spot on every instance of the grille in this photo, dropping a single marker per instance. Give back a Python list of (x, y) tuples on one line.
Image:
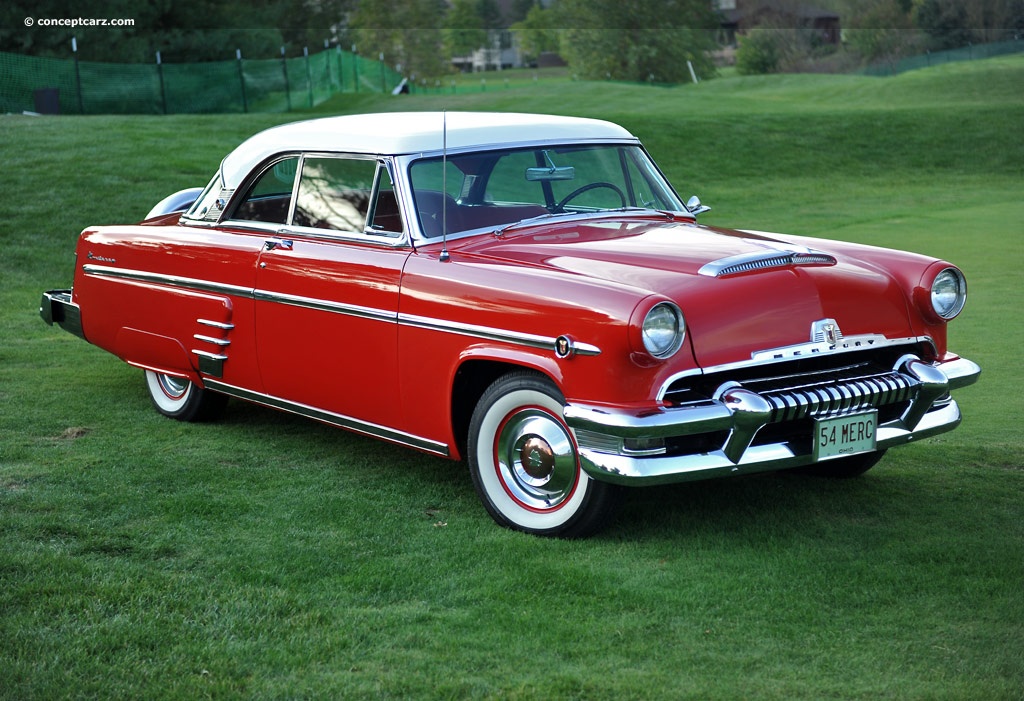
[(851, 389), (804, 389)]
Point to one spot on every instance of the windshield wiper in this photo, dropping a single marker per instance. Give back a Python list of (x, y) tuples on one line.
[(500, 231), (670, 216)]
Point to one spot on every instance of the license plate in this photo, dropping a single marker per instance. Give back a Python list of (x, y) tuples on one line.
[(845, 435)]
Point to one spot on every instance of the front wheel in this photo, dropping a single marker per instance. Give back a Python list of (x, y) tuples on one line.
[(525, 465), (181, 399)]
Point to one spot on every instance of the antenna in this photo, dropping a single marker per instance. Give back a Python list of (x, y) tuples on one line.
[(445, 256)]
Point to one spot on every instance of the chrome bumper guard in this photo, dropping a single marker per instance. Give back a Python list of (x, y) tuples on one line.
[(603, 433), (56, 307)]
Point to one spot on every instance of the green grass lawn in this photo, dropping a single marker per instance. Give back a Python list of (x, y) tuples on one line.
[(270, 557)]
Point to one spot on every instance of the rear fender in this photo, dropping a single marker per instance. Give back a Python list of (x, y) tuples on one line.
[(178, 202), (151, 351)]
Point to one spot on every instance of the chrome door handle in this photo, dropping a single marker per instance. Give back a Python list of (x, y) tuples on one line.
[(274, 244)]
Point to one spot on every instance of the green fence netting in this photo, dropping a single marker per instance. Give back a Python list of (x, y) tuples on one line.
[(248, 85), (935, 58)]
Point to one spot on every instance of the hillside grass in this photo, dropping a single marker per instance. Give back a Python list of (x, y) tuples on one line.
[(270, 557)]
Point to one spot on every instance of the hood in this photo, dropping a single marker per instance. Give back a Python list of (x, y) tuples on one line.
[(769, 303)]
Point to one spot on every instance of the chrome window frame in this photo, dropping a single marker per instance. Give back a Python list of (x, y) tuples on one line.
[(386, 239), (404, 162)]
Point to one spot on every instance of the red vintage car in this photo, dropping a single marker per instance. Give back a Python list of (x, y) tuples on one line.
[(527, 292)]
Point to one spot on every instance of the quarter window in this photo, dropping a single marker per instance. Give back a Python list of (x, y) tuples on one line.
[(270, 196)]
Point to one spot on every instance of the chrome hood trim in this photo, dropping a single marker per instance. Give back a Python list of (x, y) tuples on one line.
[(762, 260)]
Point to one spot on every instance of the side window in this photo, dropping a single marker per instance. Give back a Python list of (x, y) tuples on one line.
[(648, 188), (270, 196), (386, 217), (334, 193)]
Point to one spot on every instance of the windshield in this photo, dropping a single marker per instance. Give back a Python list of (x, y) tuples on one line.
[(494, 188)]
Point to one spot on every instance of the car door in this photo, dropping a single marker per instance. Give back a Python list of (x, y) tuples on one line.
[(327, 289)]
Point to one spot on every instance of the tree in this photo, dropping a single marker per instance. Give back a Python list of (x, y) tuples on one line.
[(535, 33), (464, 28), (881, 30), (944, 21), (406, 32), (641, 40)]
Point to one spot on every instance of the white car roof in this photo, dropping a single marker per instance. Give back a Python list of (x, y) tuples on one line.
[(400, 133)]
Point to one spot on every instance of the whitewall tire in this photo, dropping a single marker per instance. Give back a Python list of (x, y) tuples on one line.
[(181, 399), (525, 463)]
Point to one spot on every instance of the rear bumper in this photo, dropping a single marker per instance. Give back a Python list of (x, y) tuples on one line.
[(738, 414), (56, 307)]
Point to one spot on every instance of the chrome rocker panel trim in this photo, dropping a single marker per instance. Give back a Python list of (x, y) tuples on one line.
[(340, 420), (743, 413)]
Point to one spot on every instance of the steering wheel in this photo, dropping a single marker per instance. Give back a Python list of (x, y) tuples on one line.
[(560, 207)]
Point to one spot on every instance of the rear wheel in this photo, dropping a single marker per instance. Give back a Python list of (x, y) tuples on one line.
[(844, 468), (181, 399), (525, 465)]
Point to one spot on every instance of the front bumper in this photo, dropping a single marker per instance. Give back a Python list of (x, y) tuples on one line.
[(739, 414), (56, 307)]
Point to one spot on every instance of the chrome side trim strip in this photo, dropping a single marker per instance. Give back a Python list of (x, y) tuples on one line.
[(328, 417), (485, 332), (172, 280), (492, 334), (326, 306)]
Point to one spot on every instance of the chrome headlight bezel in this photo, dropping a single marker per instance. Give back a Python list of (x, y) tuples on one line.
[(663, 330), (948, 293)]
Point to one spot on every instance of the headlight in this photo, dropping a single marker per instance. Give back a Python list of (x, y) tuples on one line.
[(663, 330), (949, 292)]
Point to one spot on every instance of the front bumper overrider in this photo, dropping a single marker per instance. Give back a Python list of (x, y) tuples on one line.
[(740, 414)]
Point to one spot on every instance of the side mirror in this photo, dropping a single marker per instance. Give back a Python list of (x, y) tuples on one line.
[(693, 204)]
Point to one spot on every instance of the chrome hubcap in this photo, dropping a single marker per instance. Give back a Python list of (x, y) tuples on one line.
[(173, 387), (536, 459)]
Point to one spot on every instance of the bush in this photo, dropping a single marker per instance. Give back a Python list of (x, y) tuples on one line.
[(759, 52)]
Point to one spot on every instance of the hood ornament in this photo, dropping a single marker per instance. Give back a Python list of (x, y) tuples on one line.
[(826, 331)]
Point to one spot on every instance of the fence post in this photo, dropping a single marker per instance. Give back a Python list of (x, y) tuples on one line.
[(78, 75), (327, 65), (355, 67), (241, 80), (287, 87), (160, 74), (341, 71), (309, 74)]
